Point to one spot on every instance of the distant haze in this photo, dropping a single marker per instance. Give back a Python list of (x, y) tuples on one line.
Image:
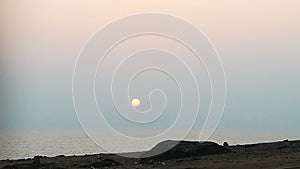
[(258, 43)]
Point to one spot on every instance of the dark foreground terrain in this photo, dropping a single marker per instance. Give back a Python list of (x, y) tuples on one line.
[(185, 155)]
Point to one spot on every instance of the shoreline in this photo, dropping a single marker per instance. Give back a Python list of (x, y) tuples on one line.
[(83, 154), (186, 154)]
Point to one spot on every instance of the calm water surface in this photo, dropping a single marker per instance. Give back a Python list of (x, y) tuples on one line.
[(27, 143)]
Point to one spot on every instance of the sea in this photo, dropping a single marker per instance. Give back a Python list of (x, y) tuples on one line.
[(19, 144)]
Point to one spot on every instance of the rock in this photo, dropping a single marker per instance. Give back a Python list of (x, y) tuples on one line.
[(225, 144), (36, 162), (181, 149), (286, 140), (61, 156)]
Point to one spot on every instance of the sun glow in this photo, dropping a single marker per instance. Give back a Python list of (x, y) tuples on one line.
[(135, 102)]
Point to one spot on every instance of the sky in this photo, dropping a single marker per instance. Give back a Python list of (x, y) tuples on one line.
[(257, 41)]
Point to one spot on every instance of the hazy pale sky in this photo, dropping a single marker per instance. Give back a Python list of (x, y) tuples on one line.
[(258, 43)]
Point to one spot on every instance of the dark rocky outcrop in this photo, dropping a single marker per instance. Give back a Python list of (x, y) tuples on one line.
[(181, 149)]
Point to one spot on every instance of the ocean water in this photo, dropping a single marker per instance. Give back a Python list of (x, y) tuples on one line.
[(28, 143)]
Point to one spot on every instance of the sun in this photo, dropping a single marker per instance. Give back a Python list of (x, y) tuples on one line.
[(135, 102)]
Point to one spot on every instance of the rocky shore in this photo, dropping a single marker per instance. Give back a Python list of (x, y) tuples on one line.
[(184, 155)]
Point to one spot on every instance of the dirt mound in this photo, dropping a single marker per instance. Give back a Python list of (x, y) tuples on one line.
[(181, 149)]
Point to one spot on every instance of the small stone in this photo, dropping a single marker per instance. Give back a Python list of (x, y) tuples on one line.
[(225, 144)]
